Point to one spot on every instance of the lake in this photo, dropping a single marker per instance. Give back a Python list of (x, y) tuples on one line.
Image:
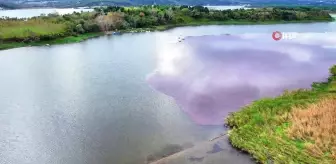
[(118, 99), (28, 13), (226, 7)]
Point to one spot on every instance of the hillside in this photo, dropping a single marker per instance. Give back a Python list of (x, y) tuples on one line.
[(80, 3)]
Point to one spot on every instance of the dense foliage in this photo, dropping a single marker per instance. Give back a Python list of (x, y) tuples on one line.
[(310, 8), (122, 18), (328, 8)]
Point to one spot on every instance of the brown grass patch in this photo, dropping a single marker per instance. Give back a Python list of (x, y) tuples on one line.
[(316, 126)]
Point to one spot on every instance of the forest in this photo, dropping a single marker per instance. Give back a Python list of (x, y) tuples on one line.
[(116, 18)]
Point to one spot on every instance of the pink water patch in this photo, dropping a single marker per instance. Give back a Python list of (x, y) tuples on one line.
[(211, 76)]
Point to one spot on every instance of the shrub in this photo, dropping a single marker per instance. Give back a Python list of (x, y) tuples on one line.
[(332, 70), (79, 29)]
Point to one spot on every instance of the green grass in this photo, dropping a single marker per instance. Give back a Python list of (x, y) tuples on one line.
[(23, 29), (261, 127), (65, 40)]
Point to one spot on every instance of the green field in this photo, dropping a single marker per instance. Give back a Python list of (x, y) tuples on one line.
[(23, 29), (63, 40), (296, 127)]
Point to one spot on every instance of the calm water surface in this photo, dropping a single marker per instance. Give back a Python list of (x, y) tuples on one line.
[(105, 100), (27, 13), (226, 7), (210, 76)]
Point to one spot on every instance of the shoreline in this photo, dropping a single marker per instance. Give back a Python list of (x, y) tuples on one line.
[(86, 36), (253, 139), (216, 151), (264, 128)]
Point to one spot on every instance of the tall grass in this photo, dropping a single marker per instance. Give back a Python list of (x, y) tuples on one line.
[(316, 126), (267, 128), (18, 29), (62, 40)]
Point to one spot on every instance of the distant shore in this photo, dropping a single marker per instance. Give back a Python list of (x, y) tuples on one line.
[(86, 36), (78, 26)]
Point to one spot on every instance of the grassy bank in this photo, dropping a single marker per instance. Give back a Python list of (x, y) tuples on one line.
[(296, 127), (64, 40)]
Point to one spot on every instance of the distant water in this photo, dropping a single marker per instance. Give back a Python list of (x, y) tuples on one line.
[(226, 7), (333, 15), (27, 13)]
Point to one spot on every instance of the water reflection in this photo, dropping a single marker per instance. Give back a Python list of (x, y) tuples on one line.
[(210, 76), (87, 103)]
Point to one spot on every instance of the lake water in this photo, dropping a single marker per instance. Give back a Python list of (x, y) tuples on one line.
[(28, 13), (118, 99), (226, 7), (211, 76)]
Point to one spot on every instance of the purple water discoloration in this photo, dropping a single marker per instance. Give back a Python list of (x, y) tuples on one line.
[(210, 76)]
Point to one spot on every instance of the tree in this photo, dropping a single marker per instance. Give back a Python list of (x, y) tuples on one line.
[(90, 26), (79, 29), (97, 9), (185, 11), (332, 70), (113, 20), (161, 18), (169, 14)]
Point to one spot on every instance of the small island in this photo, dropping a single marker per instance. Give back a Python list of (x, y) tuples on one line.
[(58, 29)]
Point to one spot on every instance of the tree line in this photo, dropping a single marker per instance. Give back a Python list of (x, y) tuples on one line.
[(114, 18)]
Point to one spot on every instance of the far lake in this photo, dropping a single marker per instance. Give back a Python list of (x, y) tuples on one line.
[(118, 99), (27, 13)]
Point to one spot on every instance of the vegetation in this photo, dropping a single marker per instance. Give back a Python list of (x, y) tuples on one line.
[(316, 123), (68, 39), (115, 18), (296, 127), (327, 8), (81, 3)]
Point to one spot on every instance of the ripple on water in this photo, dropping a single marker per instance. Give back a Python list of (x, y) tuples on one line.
[(211, 76)]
